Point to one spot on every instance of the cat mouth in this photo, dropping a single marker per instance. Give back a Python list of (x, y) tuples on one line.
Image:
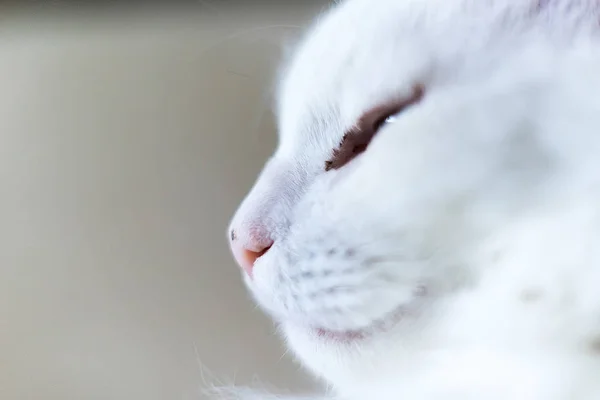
[(348, 336), (379, 326)]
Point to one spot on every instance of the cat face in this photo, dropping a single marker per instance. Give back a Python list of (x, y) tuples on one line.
[(395, 121)]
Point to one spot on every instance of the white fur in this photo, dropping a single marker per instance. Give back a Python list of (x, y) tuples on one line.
[(485, 196)]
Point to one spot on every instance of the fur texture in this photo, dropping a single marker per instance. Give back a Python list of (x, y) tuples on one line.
[(458, 257)]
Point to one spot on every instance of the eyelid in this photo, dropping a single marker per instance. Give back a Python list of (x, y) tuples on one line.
[(391, 118), (376, 116), (356, 140)]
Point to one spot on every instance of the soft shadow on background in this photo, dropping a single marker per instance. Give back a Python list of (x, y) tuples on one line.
[(127, 139)]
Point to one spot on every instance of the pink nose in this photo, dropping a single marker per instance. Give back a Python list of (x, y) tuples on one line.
[(246, 252)]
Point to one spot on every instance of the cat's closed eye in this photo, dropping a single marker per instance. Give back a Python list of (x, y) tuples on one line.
[(356, 140)]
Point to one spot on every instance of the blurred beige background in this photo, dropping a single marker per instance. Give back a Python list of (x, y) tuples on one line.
[(127, 140)]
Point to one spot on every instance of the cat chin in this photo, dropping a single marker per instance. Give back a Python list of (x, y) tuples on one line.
[(351, 337), (347, 364), (329, 357)]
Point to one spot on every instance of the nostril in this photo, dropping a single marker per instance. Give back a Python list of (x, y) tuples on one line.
[(249, 257), (246, 257), (263, 251)]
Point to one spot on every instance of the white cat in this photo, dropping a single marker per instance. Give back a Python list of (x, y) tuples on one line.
[(429, 225)]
